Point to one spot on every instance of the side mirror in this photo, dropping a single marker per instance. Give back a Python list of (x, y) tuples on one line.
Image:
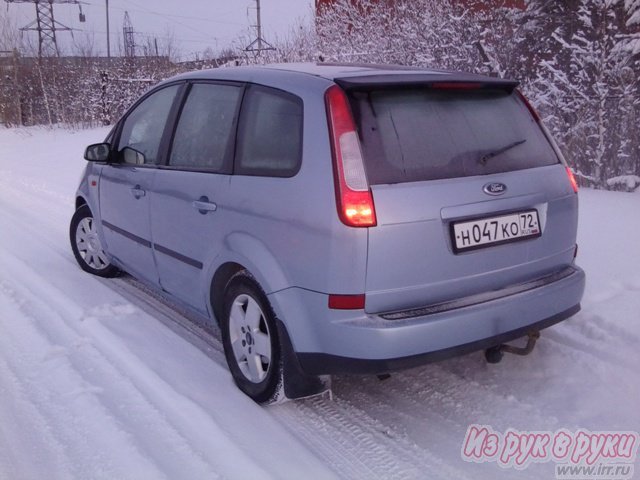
[(132, 156), (98, 152)]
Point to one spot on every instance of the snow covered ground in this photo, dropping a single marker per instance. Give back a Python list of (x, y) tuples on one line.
[(100, 379)]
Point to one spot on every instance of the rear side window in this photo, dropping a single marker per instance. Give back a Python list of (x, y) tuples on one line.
[(270, 133), (413, 135), (203, 138)]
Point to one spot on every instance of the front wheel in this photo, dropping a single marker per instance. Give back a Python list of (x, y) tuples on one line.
[(250, 339), (86, 244)]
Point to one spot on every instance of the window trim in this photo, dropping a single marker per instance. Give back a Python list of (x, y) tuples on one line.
[(171, 117), (229, 161), (241, 126)]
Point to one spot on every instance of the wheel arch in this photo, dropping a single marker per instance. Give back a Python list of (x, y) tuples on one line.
[(219, 282), (80, 201), (295, 382), (244, 252)]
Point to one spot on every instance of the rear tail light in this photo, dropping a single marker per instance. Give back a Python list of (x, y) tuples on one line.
[(353, 196), (346, 302), (572, 180)]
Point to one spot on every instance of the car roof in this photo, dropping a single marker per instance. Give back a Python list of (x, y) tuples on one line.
[(346, 74), (331, 71)]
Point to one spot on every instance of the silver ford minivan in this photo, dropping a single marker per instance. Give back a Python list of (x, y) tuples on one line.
[(337, 218)]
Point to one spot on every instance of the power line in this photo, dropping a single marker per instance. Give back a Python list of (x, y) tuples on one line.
[(155, 35), (186, 17), (206, 34)]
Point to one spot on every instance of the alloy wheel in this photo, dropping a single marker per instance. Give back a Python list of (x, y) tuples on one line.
[(250, 338), (89, 245)]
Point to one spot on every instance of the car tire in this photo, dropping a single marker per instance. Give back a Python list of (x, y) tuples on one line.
[(250, 339), (87, 246)]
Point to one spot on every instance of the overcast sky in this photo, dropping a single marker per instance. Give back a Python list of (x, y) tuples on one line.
[(196, 24)]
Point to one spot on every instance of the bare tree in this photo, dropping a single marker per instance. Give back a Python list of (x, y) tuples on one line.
[(168, 44), (10, 35), (85, 45)]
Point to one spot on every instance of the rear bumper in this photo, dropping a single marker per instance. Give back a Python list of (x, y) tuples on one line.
[(322, 363), (332, 341)]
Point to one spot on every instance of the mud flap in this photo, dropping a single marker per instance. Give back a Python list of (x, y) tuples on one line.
[(296, 383)]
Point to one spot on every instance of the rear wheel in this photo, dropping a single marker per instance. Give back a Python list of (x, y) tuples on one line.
[(86, 244), (250, 339)]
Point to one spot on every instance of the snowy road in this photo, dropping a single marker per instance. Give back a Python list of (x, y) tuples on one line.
[(101, 379)]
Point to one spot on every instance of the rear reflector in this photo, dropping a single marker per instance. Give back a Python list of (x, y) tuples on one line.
[(353, 197), (346, 302), (572, 180)]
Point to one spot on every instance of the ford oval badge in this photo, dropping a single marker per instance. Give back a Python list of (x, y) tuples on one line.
[(494, 188)]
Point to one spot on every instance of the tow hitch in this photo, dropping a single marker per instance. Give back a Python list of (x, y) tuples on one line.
[(495, 354)]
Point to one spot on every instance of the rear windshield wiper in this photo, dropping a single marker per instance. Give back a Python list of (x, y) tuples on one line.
[(488, 156)]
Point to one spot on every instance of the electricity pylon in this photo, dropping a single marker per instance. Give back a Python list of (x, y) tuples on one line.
[(259, 44), (127, 36), (46, 25)]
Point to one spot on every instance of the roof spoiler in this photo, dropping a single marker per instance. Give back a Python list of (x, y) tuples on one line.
[(426, 80)]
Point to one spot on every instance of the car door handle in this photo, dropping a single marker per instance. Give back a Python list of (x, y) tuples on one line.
[(204, 206), (138, 192)]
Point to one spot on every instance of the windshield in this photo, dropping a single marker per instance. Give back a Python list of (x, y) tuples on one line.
[(416, 134)]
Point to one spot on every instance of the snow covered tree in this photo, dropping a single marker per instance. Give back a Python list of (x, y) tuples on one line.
[(433, 33), (585, 82), (633, 11)]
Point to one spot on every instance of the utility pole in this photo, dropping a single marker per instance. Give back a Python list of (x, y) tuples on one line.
[(108, 42), (46, 25), (259, 44), (259, 25)]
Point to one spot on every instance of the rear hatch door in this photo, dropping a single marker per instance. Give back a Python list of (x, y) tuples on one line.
[(469, 192)]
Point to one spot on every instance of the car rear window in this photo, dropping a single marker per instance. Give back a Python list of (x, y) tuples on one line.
[(418, 134)]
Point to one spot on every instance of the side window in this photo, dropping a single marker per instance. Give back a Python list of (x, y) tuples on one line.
[(270, 133), (204, 136), (143, 128)]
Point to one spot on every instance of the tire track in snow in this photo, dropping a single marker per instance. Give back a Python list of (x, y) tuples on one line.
[(432, 411), (590, 353), (30, 439), (378, 446), (356, 445), (185, 422), (70, 420), (353, 443), (130, 414)]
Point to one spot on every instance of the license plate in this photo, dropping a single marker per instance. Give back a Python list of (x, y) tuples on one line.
[(487, 232)]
